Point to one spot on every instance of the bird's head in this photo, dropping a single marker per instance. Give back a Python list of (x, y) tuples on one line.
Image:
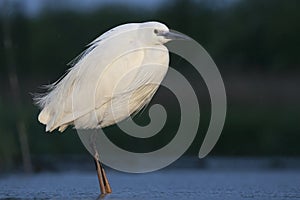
[(159, 33)]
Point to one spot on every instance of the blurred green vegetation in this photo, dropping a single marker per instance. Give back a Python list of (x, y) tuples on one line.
[(261, 37)]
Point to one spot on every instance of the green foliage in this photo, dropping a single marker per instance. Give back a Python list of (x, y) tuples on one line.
[(248, 35), (8, 140)]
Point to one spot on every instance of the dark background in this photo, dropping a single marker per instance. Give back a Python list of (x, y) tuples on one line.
[(254, 43)]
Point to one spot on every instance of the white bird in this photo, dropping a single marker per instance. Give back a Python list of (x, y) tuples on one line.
[(114, 78)]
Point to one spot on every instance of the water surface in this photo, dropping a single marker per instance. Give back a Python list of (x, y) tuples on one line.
[(165, 184)]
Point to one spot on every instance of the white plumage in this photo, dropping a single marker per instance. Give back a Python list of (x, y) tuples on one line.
[(115, 77)]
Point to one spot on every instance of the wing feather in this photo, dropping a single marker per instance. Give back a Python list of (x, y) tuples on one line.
[(84, 95)]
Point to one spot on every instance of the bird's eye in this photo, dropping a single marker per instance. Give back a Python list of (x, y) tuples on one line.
[(155, 31)]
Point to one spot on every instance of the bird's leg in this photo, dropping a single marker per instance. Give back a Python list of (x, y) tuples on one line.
[(99, 173), (103, 181)]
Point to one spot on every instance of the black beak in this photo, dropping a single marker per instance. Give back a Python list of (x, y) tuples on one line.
[(173, 35)]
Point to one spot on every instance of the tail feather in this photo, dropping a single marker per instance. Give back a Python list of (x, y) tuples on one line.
[(44, 116), (52, 102), (46, 119)]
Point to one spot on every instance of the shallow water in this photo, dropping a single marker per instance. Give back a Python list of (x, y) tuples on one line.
[(165, 184)]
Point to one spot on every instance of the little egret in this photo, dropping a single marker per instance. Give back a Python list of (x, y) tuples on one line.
[(83, 97)]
